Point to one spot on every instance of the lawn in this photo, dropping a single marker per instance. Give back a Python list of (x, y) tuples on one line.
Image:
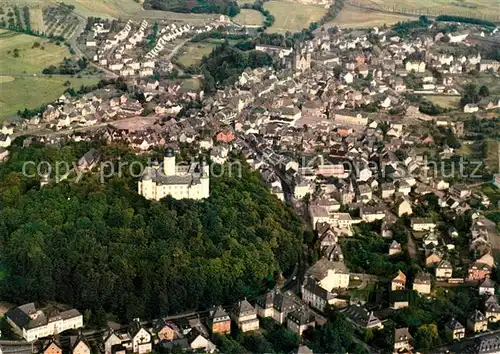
[(241, 2), (192, 53), (292, 16), (248, 17), (30, 60), (444, 101), (354, 17), (487, 9), (32, 92)]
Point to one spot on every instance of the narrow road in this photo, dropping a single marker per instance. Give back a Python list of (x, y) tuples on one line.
[(177, 48)]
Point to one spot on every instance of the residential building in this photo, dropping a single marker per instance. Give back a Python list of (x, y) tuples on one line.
[(79, 345), (479, 271), (422, 283), (362, 318), (314, 295), (454, 329), (245, 317), (487, 287), (418, 224), (32, 324), (141, 338), (52, 346), (399, 282), (300, 320), (402, 340), (395, 248), (219, 321), (477, 322), (329, 275), (444, 269), (275, 304)]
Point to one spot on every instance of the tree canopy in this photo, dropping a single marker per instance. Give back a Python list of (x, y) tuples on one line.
[(102, 247)]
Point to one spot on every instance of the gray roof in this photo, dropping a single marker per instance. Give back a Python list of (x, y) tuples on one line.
[(454, 325), (244, 308), (301, 317), (21, 316), (320, 269), (402, 335)]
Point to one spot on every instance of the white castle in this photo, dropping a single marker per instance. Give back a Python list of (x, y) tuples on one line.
[(180, 182)]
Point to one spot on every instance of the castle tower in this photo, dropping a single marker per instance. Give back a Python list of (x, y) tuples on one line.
[(169, 163)]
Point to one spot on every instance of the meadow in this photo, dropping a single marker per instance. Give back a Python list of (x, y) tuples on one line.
[(484, 9), (292, 16), (248, 17), (32, 92), (24, 54), (444, 101), (192, 53), (22, 57), (492, 159), (353, 17)]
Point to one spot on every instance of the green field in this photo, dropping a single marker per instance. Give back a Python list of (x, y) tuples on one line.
[(353, 17), (292, 16), (192, 53), (487, 9), (492, 159), (444, 101), (30, 60), (248, 17), (32, 92)]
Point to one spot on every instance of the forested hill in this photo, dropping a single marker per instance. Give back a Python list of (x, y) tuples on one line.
[(103, 248)]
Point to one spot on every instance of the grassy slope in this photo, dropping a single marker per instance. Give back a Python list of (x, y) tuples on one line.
[(248, 17), (30, 60), (32, 92), (468, 8), (353, 17), (194, 52), (292, 16)]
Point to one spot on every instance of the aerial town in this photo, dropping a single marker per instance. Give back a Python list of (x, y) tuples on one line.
[(331, 191)]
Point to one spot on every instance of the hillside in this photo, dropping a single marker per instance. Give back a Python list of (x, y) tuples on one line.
[(101, 247)]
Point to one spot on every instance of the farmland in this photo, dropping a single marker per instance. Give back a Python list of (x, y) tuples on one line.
[(32, 92), (353, 17), (486, 9), (192, 53), (248, 17), (292, 16), (59, 21)]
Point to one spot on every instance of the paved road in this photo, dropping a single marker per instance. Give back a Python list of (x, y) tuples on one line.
[(47, 132)]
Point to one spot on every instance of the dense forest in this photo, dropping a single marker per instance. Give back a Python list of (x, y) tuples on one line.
[(227, 7), (103, 248), (225, 64)]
